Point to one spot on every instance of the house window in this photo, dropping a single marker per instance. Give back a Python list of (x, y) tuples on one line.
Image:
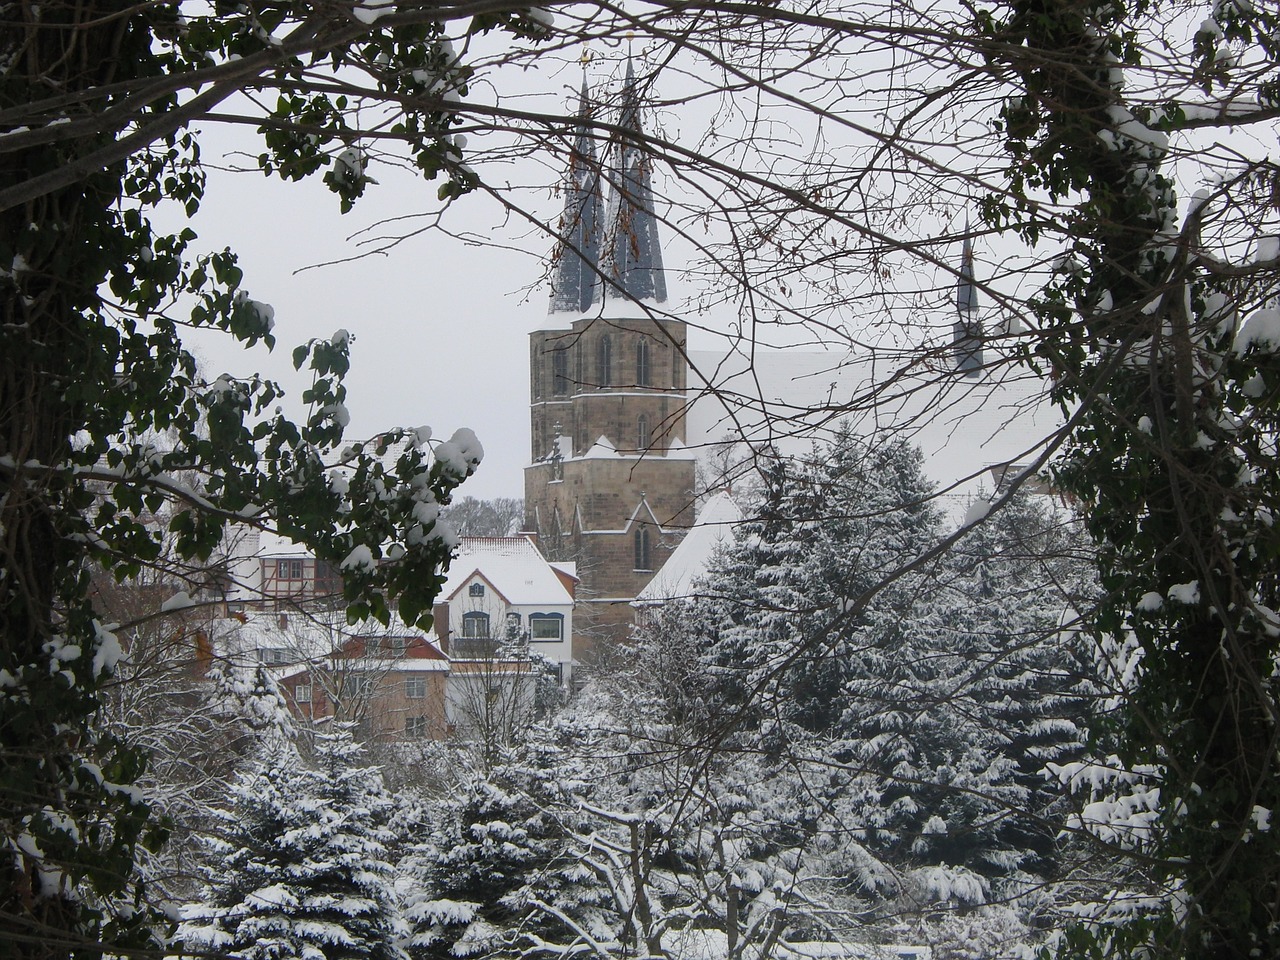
[(643, 560), (415, 688), (476, 590), (290, 569), (387, 646), (546, 626), (642, 362), (274, 656), (642, 432), (559, 372), (604, 361), (355, 687), (302, 693), (475, 626), (415, 726), (328, 579)]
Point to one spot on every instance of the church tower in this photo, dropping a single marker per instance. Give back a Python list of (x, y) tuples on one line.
[(610, 484)]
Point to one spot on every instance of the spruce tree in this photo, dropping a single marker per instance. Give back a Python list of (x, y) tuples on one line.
[(299, 869)]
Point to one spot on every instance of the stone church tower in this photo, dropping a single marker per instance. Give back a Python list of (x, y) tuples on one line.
[(610, 484)]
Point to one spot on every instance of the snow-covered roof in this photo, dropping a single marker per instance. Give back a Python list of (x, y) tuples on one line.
[(602, 448), (567, 567), (512, 566), (274, 545), (788, 398), (711, 531)]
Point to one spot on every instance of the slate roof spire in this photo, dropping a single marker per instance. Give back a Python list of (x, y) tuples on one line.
[(633, 261), (575, 277), (966, 339)]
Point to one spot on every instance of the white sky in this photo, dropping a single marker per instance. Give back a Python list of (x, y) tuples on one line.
[(439, 326), (440, 323)]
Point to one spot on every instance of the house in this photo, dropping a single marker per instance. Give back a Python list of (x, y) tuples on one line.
[(394, 687), (501, 593)]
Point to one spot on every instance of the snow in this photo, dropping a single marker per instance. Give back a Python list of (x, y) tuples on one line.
[(371, 11), (512, 566), (602, 449), (1262, 330), (976, 511), (711, 532), (460, 454), (1150, 602), (179, 601), (107, 651), (360, 558), (1188, 593)]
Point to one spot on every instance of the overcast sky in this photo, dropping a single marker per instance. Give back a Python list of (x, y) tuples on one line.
[(440, 326)]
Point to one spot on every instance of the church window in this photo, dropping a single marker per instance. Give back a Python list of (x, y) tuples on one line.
[(604, 361), (475, 626), (642, 362), (559, 372), (643, 559), (642, 432)]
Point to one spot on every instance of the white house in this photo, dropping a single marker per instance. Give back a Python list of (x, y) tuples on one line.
[(502, 588)]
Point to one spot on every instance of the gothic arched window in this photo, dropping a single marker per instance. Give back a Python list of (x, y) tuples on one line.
[(643, 559), (642, 362), (559, 372), (604, 362)]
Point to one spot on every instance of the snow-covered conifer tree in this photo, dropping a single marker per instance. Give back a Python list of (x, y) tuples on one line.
[(299, 868)]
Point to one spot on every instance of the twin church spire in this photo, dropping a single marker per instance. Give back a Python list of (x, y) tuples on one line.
[(614, 252)]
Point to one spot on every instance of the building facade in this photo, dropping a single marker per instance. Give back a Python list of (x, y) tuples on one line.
[(610, 485)]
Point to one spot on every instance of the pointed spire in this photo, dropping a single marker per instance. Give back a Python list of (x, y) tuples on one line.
[(966, 294), (575, 281), (966, 339), (633, 267)]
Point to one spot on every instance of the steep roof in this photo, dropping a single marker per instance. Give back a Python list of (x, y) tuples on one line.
[(575, 278), (633, 250), (512, 565), (711, 532)]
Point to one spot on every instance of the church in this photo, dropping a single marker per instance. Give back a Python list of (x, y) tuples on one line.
[(610, 485), (617, 417)]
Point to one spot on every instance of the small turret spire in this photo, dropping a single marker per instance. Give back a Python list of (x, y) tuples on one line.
[(575, 280), (633, 268), (966, 340)]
